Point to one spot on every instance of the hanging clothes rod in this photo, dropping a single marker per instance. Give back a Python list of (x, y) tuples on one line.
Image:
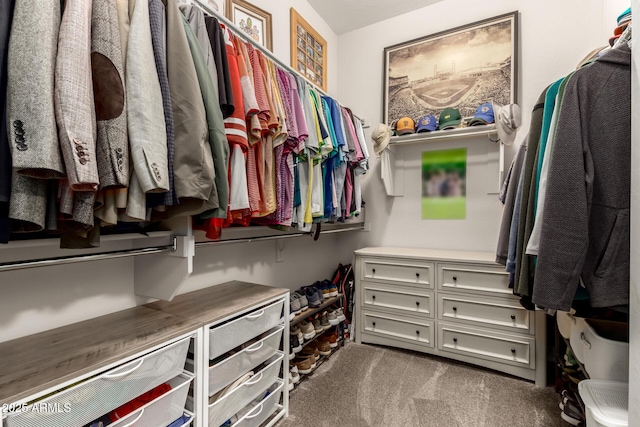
[(237, 31), (45, 262), (359, 227)]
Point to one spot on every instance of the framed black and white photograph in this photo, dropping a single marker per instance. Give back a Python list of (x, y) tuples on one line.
[(459, 68)]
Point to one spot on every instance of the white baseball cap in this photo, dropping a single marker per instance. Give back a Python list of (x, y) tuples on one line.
[(381, 137), (508, 120)]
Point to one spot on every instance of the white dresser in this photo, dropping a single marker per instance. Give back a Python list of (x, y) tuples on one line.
[(454, 304)]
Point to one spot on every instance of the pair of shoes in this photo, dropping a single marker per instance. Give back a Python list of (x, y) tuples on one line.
[(305, 364), (328, 288), (307, 330), (294, 346), (301, 300), (294, 307), (321, 323), (336, 316), (294, 376), (296, 331), (313, 294), (571, 412), (331, 338), (318, 348), (311, 351)]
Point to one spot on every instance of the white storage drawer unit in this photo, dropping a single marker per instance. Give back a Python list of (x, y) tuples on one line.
[(85, 370), (226, 406), (453, 304), (247, 318)]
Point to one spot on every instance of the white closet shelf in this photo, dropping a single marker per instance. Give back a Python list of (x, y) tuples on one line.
[(440, 135)]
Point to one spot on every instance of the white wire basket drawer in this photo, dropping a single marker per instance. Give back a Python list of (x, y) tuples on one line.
[(229, 335), (258, 414)]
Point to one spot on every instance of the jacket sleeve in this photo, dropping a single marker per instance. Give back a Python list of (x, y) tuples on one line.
[(565, 230)]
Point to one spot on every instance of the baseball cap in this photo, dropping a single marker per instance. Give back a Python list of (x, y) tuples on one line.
[(405, 126), (508, 120), (449, 118), (381, 137), (427, 123), (484, 115)]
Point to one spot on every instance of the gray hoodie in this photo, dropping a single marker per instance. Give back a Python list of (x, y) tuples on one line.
[(585, 234)]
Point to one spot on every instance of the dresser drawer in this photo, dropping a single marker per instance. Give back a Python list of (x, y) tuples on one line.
[(410, 300), (398, 327), (106, 392), (223, 408), (229, 335), (406, 272), (486, 344), (163, 410), (504, 313), (224, 373), (490, 280)]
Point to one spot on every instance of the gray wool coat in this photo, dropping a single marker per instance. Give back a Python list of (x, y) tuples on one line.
[(585, 234)]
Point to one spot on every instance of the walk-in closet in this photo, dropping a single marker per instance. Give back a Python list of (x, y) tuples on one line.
[(248, 213)]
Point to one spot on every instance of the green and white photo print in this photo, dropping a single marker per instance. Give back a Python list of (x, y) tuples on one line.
[(444, 187)]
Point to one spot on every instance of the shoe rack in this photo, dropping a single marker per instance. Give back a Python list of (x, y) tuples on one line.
[(310, 313)]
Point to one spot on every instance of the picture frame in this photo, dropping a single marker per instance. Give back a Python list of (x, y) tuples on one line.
[(308, 51), (459, 68), (252, 20)]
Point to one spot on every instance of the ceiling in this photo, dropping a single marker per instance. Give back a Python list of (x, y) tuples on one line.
[(347, 15)]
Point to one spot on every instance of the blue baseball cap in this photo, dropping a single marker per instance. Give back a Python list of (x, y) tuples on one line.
[(484, 115), (427, 123)]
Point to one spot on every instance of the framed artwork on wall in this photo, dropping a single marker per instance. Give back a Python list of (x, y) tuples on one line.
[(254, 21), (308, 51), (460, 68)]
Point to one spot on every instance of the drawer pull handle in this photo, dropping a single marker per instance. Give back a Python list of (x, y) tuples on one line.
[(418, 332), (455, 340), (125, 373), (513, 317), (252, 382), (513, 351), (248, 417), (256, 315), (374, 324), (418, 275), (373, 270), (455, 309), (373, 297), (257, 346), (418, 303), (134, 421), (455, 278)]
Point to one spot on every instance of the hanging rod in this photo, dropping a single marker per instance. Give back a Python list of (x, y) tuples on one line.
[(45, 262), (238, 32), (276, 237)]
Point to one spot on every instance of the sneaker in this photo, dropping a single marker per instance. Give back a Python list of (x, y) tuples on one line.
[(324, 349), (318, 286), (332, 318), (311, 293), (331, 338), (295, 330), (324, 321), (571, 414), (294, 304), (294, 374), (339, 314), (317, 326), (333, 289), (302, 299), (311, 350), (324, 287), (303, 364), (307, 329), (289, 386), (295, 345)]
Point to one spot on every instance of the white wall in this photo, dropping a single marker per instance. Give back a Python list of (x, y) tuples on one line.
[(553, 37)]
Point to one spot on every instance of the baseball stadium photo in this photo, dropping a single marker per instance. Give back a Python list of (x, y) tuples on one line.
[(462, 69)]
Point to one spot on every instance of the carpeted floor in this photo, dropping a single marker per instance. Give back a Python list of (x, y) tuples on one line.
[(366, 385)]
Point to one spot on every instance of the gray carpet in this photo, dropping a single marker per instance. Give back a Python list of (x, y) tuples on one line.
[(366, 385)]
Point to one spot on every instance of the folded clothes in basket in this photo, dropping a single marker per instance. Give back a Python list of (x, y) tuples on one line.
[(139, 402), (180, 421)]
